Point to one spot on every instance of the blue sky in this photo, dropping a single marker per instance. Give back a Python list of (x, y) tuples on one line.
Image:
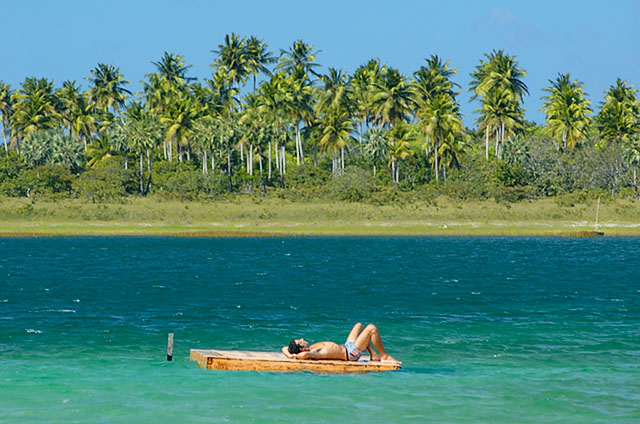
[(596, 41)]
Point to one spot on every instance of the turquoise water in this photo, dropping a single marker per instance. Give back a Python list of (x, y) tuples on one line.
[(496, 330)]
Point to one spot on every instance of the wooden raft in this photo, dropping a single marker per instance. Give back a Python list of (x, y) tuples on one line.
[(213, 359)]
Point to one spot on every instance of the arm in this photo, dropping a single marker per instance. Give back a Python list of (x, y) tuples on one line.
[(285, 352), (309, 355)]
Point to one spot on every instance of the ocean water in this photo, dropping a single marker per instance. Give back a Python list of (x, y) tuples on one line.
[(492, 330)]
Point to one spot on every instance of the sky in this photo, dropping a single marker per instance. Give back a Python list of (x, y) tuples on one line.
[(595, 41)]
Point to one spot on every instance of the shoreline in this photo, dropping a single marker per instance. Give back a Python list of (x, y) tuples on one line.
[(450, 230), (250, 217)]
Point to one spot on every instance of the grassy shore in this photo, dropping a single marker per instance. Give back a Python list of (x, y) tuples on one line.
[(252, 217)]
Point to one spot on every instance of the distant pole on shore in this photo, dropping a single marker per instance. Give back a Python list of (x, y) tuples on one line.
[(170, 348), (597, 211)]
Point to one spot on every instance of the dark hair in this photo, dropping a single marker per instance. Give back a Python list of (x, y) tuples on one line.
[(294, 347)]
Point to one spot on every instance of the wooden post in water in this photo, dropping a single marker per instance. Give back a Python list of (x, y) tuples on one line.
[(170, 347)]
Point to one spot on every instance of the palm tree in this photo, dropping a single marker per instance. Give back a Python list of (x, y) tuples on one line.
[(297, 63), (451, 150), (180, 111), (204, 137), (392, 98), (99, 149), (118, 138), (619, 115), (336, 134), (364, 82), (566, 108), (299, 57), (296, 97), (6, 110), (441, 121), (273, 102), (401, 136), (66, 151), (232, 57), (500, 72), (433, 79), (76, 112), (498, 81), (334, 92), (258, 57), (173, 70), (502, 115), (36, 149), (376, 146), (106, 88), (35, 107), (144, 135)]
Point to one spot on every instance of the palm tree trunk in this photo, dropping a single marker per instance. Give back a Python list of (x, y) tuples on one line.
[(497, 142), (229, 166), (374, 171), (171, 150), (342, 157), (315, 156), (150, 162), (141, 174), (435, 153), (444, 171), (360, 132), (501, 141), (297, 145), (282, 167), (486, 143), (393, 170), (164, 150), (213, 161), (284, 160), (269, 161), (126, 160), (205, 171), (264, 190)]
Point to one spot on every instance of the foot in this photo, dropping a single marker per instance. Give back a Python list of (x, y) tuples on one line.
[(375, 357), (390, 359)]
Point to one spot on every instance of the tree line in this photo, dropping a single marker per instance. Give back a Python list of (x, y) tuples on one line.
[(376, 118)]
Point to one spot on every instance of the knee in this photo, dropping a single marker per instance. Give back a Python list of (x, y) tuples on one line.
[(371, 327), (358, 325)]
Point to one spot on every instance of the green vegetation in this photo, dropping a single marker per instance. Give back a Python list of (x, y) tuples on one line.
[(257, 216), (373, 141)]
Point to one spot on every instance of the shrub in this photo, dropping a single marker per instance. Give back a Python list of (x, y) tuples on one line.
[(354, 185), (514, 194)]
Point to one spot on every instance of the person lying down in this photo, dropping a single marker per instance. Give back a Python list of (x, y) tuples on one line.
[(360, 339)]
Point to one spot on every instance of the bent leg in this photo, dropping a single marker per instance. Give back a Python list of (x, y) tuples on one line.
[(355, 332), (371, 334)]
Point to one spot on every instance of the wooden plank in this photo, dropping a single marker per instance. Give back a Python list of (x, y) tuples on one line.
[(236, 360)]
